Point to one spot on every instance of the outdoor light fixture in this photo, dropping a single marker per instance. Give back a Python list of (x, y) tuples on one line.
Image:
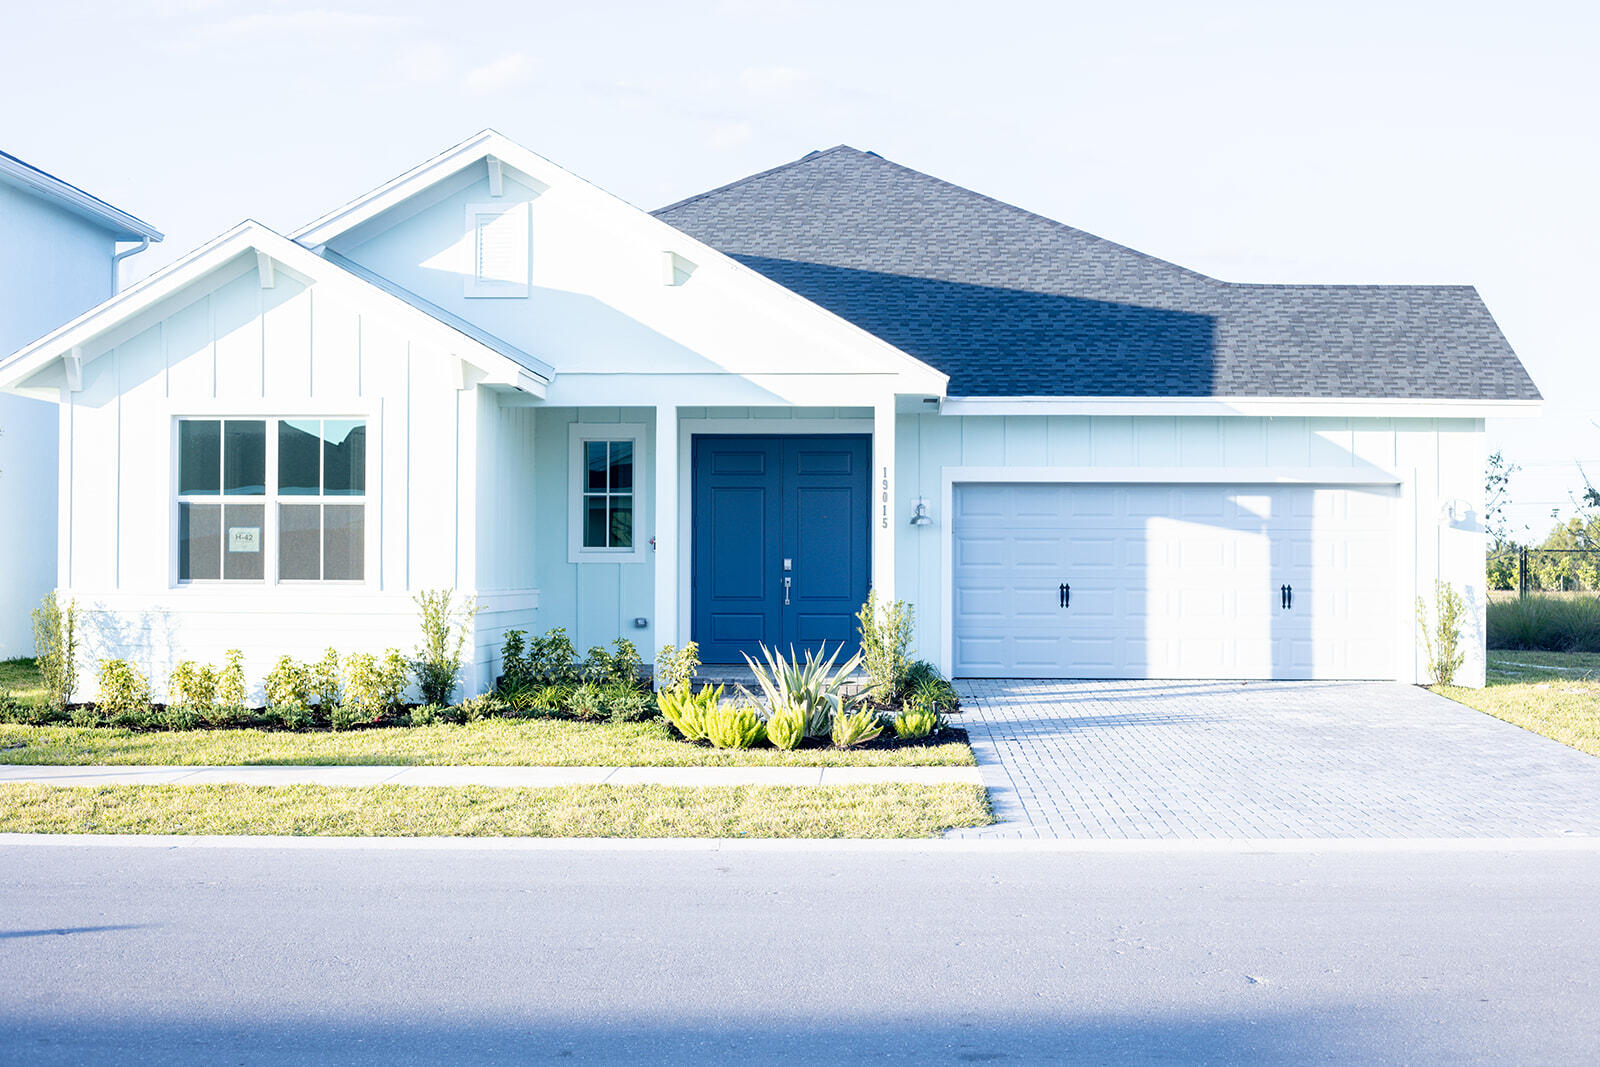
[(919, 515)]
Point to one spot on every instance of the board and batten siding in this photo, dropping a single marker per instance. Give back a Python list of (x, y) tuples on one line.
[(1436, 461), (595, 601), (239, 350)]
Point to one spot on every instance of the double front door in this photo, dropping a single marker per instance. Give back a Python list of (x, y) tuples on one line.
[(780, 542)]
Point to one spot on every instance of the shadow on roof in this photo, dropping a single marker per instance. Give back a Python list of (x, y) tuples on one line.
[(998, 341)]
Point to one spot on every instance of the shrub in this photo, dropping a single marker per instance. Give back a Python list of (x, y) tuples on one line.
[(484, 706), (587, 701), (365, 695), (176, 717), (1443, 643), (734, 726), (426, 714), (444, 635), (676, 665), (228, 715), (933, 693), (786, 726), (546, 660), (289, 716), (289, 685), (626, 703), (84, 715), (686, 710), (1545, 622), (813, 685), (328, 681), (513, 661), (192, 683), (348, 716), (123, 690), (855, 728), (626, 664), (55, 642), (885, 645), (230, 681), (15, 711), (915, 723), (394, 677)]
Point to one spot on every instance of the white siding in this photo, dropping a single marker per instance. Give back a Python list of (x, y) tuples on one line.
[(241, 350)]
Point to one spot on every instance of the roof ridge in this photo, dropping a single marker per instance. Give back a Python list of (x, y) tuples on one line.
[(816, 153)]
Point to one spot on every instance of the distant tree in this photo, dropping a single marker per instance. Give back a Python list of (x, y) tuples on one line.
[(1497, 495)]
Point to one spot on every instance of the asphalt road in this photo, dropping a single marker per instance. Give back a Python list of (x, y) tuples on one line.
[(114, 954)]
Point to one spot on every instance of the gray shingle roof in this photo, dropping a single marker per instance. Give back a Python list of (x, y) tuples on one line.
[(1009, 303)]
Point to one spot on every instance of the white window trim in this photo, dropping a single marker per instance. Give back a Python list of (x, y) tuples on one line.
[(270, 500), (474, 287), (577, 434)]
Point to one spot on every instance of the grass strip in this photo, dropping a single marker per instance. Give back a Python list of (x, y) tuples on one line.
[(1546, 692), (875, 811), (489, 743)]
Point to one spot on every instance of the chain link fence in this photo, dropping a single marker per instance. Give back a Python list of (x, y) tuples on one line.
[(1544, 570)]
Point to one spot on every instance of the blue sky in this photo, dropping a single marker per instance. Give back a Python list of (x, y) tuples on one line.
[(1385, 142)]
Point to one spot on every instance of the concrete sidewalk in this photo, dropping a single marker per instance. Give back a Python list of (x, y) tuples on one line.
[(499, 777)]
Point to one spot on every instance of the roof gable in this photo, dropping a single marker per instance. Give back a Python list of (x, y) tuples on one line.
[(1009, 303), (597, 300), (122, 225), (252, 243)]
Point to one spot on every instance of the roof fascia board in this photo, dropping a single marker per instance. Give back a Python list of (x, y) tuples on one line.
[(368, 205), (924, 378), (1258, 407), (236, 243), (78, 202)]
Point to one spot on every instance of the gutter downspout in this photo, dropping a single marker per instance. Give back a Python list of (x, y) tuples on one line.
[(116, 264)]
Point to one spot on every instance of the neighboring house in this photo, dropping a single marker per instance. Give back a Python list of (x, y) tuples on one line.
[(726, 420), (58, 258)]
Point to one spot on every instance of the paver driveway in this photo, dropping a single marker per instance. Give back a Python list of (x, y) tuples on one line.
[(1136, 759)]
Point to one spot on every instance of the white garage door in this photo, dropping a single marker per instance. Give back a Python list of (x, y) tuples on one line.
[(1174, 581)]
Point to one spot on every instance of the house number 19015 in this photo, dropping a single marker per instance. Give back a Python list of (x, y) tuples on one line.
[(884, 520)]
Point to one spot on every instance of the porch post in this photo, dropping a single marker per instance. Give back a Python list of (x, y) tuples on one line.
[(883, 498), (665, 549)]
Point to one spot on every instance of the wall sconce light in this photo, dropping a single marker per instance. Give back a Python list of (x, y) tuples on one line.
[(919, 514), (1454, 511)]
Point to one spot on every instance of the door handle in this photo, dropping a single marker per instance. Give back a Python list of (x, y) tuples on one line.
[(1286, 597), (786, 590), (1064, 592)]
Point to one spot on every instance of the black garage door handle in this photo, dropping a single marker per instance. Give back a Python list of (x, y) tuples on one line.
[(1286, 594), (1064, 592)]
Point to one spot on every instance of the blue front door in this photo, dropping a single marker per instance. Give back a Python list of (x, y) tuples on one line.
[(781, 553)]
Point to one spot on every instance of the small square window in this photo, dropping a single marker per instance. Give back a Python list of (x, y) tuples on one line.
[(605, 488)]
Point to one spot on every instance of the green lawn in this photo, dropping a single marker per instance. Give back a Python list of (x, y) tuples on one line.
[(20, 678), (1556, 694), (477, 811), (490, 743)]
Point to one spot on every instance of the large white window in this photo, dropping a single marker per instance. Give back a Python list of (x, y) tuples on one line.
[(290, 492), (499, 235), (606, 503)]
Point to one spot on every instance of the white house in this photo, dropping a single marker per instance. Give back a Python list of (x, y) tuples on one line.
[(58, 258), (725, 420)]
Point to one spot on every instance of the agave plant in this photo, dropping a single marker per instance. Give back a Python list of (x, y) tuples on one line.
[(814, 685), (857, 728)]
